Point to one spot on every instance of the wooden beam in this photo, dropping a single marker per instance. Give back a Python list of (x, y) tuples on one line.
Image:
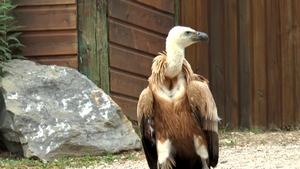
[(216, 48), (40, 18), (42, 2), (273, 65), (93, 41), (162, 5), (231, 105), (102, 43), (287, 62), (127, 84), (259, 71), (135, 38), (143, 17), (244, 53), (63, 60), (49, 43), (297, 61), (176, 12)]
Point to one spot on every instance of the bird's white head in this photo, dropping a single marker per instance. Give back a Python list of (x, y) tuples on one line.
[(182, 37), (178, 39)]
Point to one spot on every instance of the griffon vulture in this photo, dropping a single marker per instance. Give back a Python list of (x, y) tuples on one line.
[(176, 113)]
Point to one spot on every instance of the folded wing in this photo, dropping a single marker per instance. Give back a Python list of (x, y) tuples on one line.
[(205, 112), (146, 123)]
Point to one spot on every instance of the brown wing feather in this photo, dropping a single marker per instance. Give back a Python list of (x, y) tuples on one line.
[(205, 112), (145, 104), (146, 123)]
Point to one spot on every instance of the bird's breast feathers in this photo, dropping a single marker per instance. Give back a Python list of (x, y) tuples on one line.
[(172, 88)]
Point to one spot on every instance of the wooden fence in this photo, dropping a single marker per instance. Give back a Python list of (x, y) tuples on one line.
[(117, 42), (137, 31), (252, 59), (49, 32)]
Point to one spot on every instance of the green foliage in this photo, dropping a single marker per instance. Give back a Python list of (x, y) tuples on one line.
[(131, 157), (229, 143), (256, 130), (73, 162), (110, 157), (8, 35), (224, 129)]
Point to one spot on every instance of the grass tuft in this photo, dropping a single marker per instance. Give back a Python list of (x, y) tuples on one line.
[(224, 129), (229, 143), (65, 162), (131, 157), (256, 130)]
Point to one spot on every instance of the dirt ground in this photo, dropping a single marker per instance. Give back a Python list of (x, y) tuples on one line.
[(241, 150)]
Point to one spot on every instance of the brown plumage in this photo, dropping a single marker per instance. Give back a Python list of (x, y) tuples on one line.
[(177, 114)]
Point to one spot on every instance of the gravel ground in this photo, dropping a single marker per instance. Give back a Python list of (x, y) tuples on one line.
[(241, 150)]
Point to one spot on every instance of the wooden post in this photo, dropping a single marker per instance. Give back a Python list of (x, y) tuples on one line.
[(244, 53), (216, 48), (93, 41), (176, 12)]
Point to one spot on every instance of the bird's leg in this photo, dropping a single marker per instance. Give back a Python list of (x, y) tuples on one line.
[(201, 150), (165, 157), (158, 166), (204, 164)]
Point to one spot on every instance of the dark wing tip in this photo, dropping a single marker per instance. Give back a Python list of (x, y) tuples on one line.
[(148, 141), (213, 148)]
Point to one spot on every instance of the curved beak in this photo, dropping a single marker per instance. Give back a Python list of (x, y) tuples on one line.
[(200, 36)]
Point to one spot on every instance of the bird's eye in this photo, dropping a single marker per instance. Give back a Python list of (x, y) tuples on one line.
[(187, 32)]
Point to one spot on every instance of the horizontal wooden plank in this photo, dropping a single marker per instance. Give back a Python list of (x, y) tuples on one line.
[(163, 5), (253, 59), (60, 17), (140, 16), (126, 84), (128, 106), (130, 61), (42, 2), (49, 43), (68, 61), (135, 38)]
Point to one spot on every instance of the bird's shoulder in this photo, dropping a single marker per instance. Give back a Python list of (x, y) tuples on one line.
[(159, 63), (190, 75), (145, 104)]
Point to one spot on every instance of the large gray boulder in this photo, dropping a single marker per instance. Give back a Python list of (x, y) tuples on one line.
[(54, 111)]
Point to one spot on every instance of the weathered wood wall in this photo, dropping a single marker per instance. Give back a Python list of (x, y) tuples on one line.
[(92, 39), (50, 32), (252, 59), (137, 32)]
